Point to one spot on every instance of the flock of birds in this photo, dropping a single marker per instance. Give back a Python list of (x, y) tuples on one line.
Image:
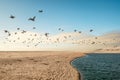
[(37, 39)]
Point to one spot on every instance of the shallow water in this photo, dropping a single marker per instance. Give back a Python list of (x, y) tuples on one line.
[(99, 66)]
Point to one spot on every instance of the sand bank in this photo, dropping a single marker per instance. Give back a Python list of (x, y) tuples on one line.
[(38, 65), (108, 50)]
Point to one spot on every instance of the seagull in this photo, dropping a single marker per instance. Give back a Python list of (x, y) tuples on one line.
[(5, 31), (15, 33), (12, 17), (62, 30), (46, 34), (18, 28), (23, 31), (80, 32), (75, 30), (9, 34), (32, 19), (40, 11), (34, 27), (59, 29), (91, 30)]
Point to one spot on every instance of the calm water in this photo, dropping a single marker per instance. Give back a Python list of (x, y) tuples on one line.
[(99, 66)]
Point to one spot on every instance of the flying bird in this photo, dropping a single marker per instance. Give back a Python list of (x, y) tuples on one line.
[(80, 32), (32, 19), (59, 29), (5, 31), (62, 30), (12, 17), (46, 34), (75, 30), (9, 34), (34, 27), (15, 33), (23, 31), (40, 11), (91, 30), (18, 28)]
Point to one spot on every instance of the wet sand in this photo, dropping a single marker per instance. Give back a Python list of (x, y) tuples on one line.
[(44, 65)]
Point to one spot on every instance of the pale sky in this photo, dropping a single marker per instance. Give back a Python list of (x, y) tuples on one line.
[(101, 15)]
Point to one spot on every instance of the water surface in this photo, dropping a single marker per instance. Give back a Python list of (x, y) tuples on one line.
[(99, 66)]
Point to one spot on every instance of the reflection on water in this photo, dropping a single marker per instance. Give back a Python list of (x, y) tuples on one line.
[(99, 66)]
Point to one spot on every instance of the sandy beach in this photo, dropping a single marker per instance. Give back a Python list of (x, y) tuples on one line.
[(46, 65), (41, 39)]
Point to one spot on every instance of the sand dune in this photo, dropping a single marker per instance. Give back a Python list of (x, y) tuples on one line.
[(72, 41)]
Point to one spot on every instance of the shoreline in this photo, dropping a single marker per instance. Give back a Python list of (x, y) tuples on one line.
[(79, 74), (78, 55)]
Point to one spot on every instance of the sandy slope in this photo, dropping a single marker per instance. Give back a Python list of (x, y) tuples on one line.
[(66, 41), (108, 50), (38, 66)]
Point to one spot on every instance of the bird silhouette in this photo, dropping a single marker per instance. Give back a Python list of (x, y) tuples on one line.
[(79, 32), (32, 19), (34, 27), (75, 30), (5, 31), (9, 34), (12, 17), (59, 29), (23, 31), (62, 30), (46, 34), (91, 30), (40, 11), (18, 28), (15, 33)]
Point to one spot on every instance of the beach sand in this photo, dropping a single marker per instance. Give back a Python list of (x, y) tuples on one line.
[(44, 65)]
